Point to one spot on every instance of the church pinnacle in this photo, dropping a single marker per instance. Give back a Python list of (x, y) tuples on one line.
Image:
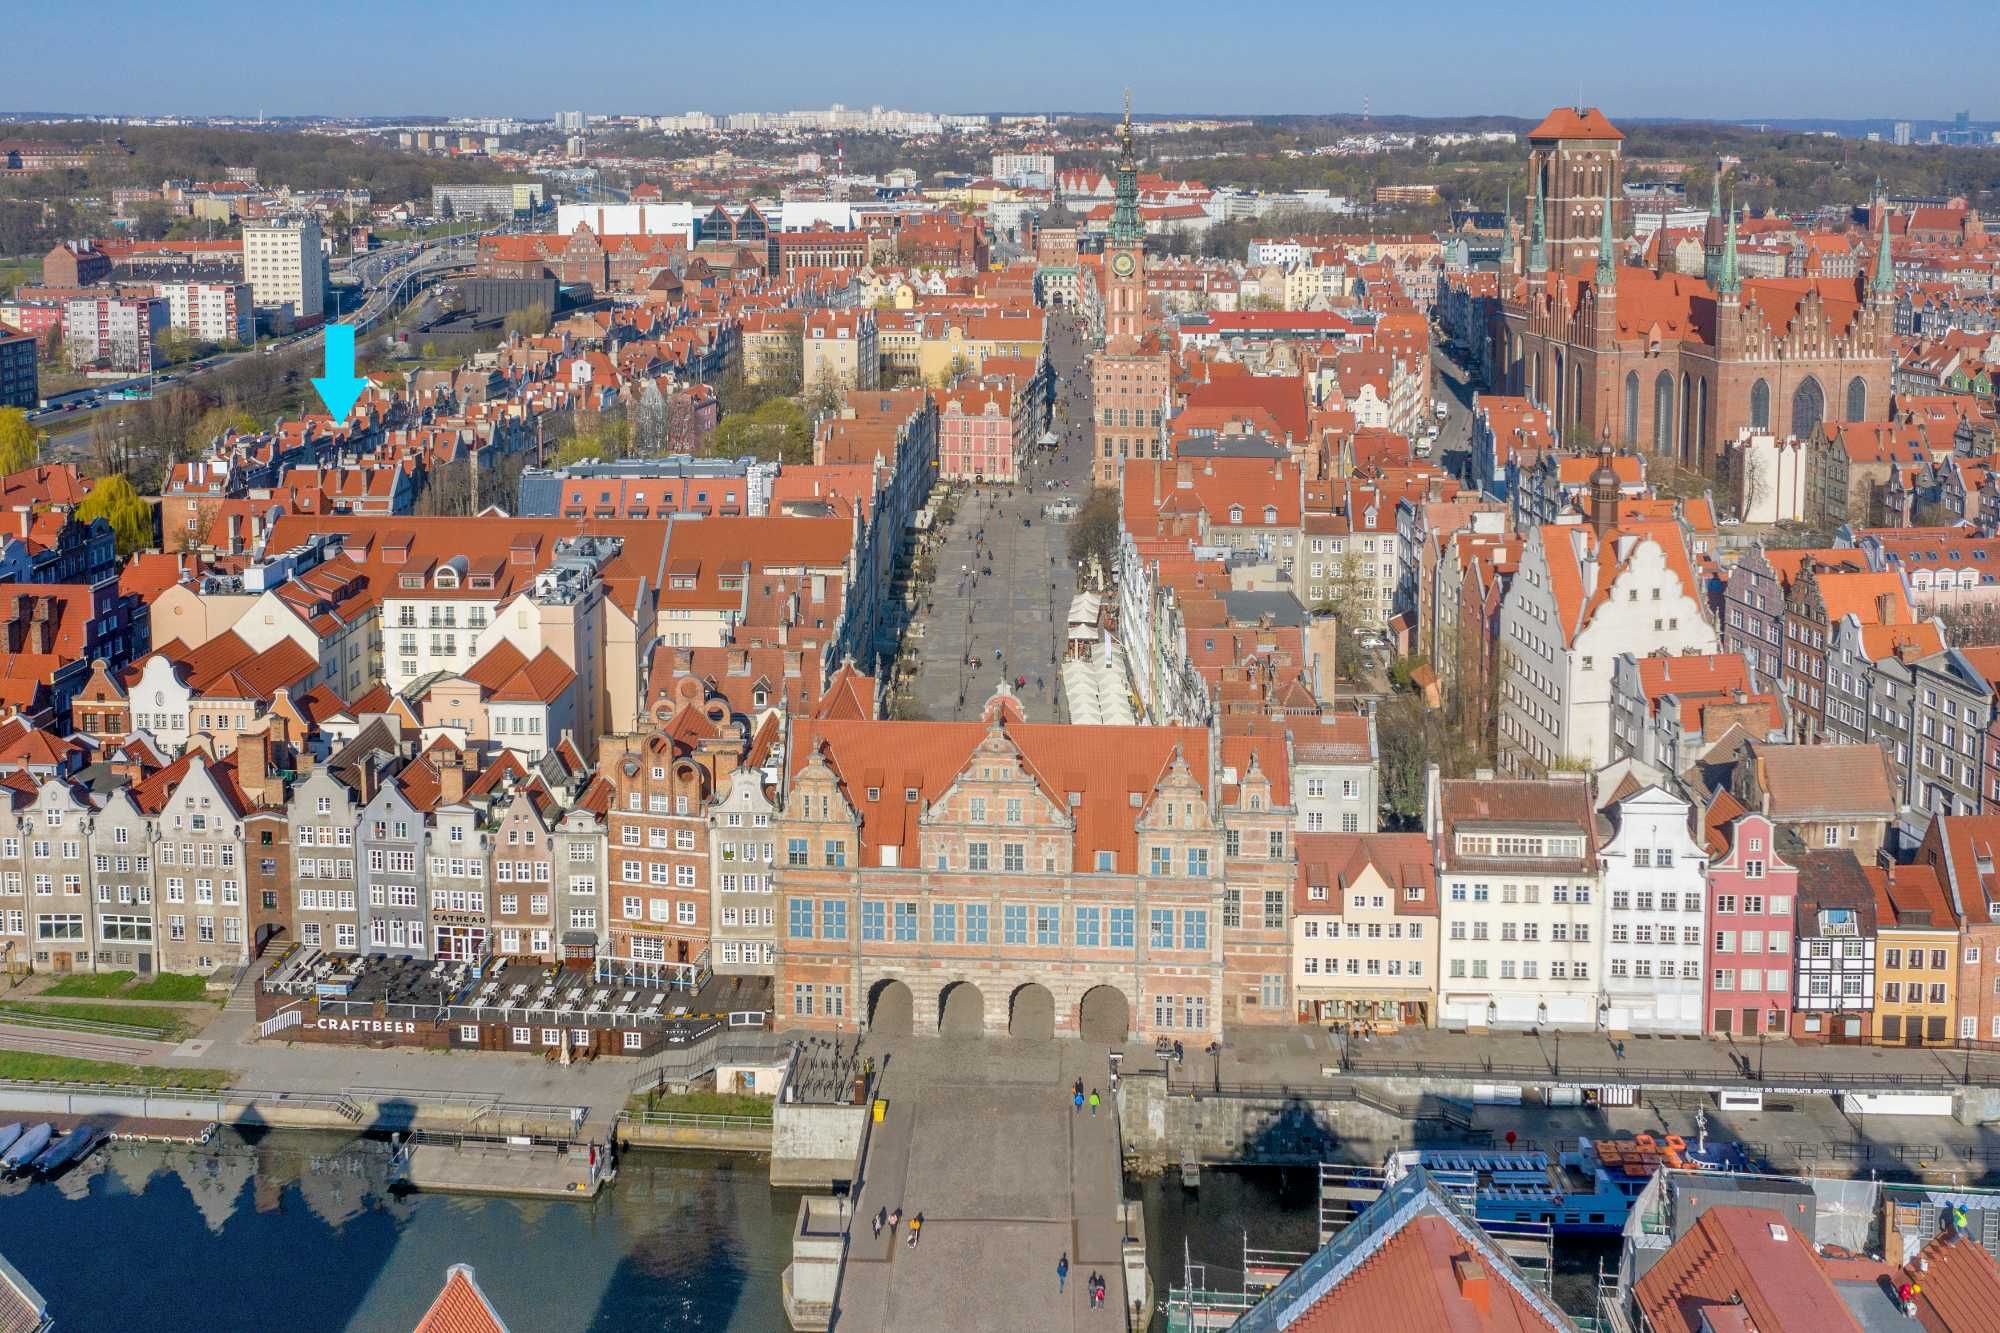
[(1727, 283), (1607, 267), (1883, 282), (1538, 247)]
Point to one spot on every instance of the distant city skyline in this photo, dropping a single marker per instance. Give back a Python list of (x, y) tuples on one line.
[(1843, 60)]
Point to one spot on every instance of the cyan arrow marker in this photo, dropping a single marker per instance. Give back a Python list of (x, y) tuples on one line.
[(339, 387)]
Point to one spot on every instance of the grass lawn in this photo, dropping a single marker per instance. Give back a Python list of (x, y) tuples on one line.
[(61, 1069), (177, 986), (90, 985), (703, 1103), (167, 1022)]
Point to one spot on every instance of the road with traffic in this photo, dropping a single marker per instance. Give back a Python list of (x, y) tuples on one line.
[(387, 278)]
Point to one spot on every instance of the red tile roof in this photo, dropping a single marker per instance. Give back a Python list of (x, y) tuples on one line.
[(1100, 767), (461, 1307), (1575, 123), (1754, 1257)]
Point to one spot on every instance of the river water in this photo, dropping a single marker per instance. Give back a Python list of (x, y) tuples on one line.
[(297, 1231)]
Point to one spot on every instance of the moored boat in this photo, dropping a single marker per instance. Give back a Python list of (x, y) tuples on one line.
[(69, 1148), (27, 1147), (1586, 1189)]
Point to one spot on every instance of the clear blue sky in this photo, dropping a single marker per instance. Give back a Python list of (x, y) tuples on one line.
[(1776, 58)]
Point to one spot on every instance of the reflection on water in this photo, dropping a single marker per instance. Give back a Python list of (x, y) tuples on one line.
[(299, 1230)]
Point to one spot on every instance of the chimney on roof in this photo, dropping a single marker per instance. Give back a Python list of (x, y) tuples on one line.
[(253, 765), (451, 777), (1885, 610), (1474, 1283)]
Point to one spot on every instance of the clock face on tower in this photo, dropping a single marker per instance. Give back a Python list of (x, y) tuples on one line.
[(1122, 265)]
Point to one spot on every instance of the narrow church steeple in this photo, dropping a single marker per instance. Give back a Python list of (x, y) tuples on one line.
[(1607, 267), (1727, 284), (1882, 283), (1538, 245)]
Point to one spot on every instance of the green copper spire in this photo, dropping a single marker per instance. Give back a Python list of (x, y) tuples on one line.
[(1883, 283), (1727, 283), (1607, 267), (1125, 228), (1538, 246)]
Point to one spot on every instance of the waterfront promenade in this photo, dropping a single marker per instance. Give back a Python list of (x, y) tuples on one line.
[(981, 1138)]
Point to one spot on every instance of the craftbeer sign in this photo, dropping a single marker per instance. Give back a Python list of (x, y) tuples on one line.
[(363, 1025)]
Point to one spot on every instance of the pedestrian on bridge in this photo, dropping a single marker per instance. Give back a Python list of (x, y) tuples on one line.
[(1062, 1272), (1093, 1103)]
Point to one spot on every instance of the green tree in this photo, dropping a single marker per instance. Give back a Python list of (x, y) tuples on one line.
[(779, 430), (216, 422), (586, 448), (20, 442), (531, 322), (131, 518), (1095, 536), (1346, 602)]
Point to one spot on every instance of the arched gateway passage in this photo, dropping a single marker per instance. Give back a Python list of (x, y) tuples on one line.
[(1104, 1017), (891, 1008), (1032, 1013), (961, 1010)]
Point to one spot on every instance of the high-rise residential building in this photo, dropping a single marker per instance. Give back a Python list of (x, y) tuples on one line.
[(285, 268), (216, 311), (18, 382), (114, 332), (1903, 133)]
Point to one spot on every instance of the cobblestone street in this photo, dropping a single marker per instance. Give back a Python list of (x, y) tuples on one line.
[(1003, 589)]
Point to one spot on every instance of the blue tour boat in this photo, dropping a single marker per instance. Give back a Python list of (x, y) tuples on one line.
[(1586, 1189)]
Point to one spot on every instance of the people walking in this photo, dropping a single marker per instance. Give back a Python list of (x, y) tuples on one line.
[(881, 1216), (895, 1220), (1062, 1272), (1093, 1103), (916, 1226), (1076, 1095)]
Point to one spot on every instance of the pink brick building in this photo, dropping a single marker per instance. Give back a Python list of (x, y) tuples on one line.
[(1749, 953)]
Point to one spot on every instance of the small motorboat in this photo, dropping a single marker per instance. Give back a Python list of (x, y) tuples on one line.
[(8, 1133), (71, 1147), (26, 1148)]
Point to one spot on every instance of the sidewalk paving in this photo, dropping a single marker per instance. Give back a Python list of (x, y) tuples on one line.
[(1302, 1053), (981, 1137)]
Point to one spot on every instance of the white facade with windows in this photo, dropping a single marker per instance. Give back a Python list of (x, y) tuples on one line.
[(285, 267), (1655, 889), (1519, 908), (1575, 605)]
